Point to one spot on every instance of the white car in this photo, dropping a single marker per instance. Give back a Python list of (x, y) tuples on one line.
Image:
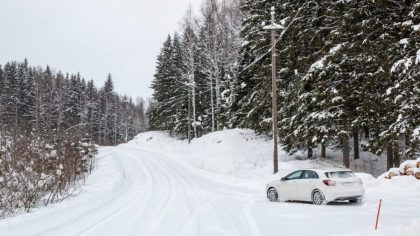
[(317, 186)]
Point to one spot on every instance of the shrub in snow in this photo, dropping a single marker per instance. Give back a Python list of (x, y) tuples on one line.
[(36, 171)]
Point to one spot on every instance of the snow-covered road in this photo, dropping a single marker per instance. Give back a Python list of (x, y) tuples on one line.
[(141, 191)]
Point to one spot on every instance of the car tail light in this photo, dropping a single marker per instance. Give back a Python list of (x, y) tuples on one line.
[(329, 182)]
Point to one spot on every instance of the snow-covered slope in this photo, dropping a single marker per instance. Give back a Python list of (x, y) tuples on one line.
[(235, 152), (158, 185)]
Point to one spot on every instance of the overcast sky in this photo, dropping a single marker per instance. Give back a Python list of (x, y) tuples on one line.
[(93, 37)]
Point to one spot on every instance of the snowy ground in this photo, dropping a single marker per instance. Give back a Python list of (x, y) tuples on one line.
[(157, 185)]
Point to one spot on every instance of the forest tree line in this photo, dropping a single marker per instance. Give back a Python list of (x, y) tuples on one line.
[(40, 101), (50, 123), (346, 70)]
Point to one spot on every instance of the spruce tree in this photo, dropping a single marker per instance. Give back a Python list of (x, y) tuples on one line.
[(405, 90), (10, 95), (252, 106), (302, 123), (159, 119), (178, 95)]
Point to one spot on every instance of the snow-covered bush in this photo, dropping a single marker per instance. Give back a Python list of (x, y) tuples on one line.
[(36, 170)]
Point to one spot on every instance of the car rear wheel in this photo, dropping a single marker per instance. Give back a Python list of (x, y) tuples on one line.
[(318, 197), (272, 195)]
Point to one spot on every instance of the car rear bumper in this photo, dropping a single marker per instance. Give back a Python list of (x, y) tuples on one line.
[(344, 194), (348, 198)]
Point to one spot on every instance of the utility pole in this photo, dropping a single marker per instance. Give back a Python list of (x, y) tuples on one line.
[(273, 27)]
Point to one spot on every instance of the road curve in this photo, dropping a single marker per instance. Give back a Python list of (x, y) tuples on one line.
[(147, 193)]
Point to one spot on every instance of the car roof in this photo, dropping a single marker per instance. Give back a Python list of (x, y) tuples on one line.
[(327, 169)]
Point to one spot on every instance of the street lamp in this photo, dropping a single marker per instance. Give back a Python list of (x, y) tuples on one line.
[(273, 27)]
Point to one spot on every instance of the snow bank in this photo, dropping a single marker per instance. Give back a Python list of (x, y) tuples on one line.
[(227, 151), (230, 151), (158, 139), (236, 152)]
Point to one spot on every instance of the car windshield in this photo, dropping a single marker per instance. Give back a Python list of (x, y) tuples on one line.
[(340, 174)]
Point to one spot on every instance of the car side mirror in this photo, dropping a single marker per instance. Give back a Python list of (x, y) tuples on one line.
[(283, 179)]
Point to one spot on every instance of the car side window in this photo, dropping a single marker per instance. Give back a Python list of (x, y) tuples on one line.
[(308, 174), (294, 175)]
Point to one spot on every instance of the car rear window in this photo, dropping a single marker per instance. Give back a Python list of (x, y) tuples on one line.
[(340, 174)]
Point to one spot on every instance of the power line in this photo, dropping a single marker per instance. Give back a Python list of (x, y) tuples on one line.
[(278, 40)]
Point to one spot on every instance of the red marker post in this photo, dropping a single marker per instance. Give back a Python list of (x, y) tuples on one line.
[(379, 212)]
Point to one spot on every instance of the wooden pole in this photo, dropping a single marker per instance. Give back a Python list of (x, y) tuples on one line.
[(274, 92), (379, 212)]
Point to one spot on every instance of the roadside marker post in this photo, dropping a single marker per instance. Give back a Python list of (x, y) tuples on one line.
[(379, 212)]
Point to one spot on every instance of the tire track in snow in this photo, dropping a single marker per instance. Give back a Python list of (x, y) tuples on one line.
[(182, 183), (174, 171), (90, 214), (155, 212), (139, 195), (173, 181)]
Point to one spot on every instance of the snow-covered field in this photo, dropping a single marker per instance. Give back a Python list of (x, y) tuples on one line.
[(157, 185)]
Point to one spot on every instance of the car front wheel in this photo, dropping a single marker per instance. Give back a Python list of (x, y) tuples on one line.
[(272, 195), (318, 197)]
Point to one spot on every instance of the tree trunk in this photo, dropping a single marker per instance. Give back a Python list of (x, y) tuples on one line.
[(406, 141), (212, 106), (189, 117), (217, 93), (323, 151), (389, 156), (345, 143), (115, 130), (366, 133), (194, 110), (99, 133), (397, 158), (192, 84), (310, 151), (356, 147)]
